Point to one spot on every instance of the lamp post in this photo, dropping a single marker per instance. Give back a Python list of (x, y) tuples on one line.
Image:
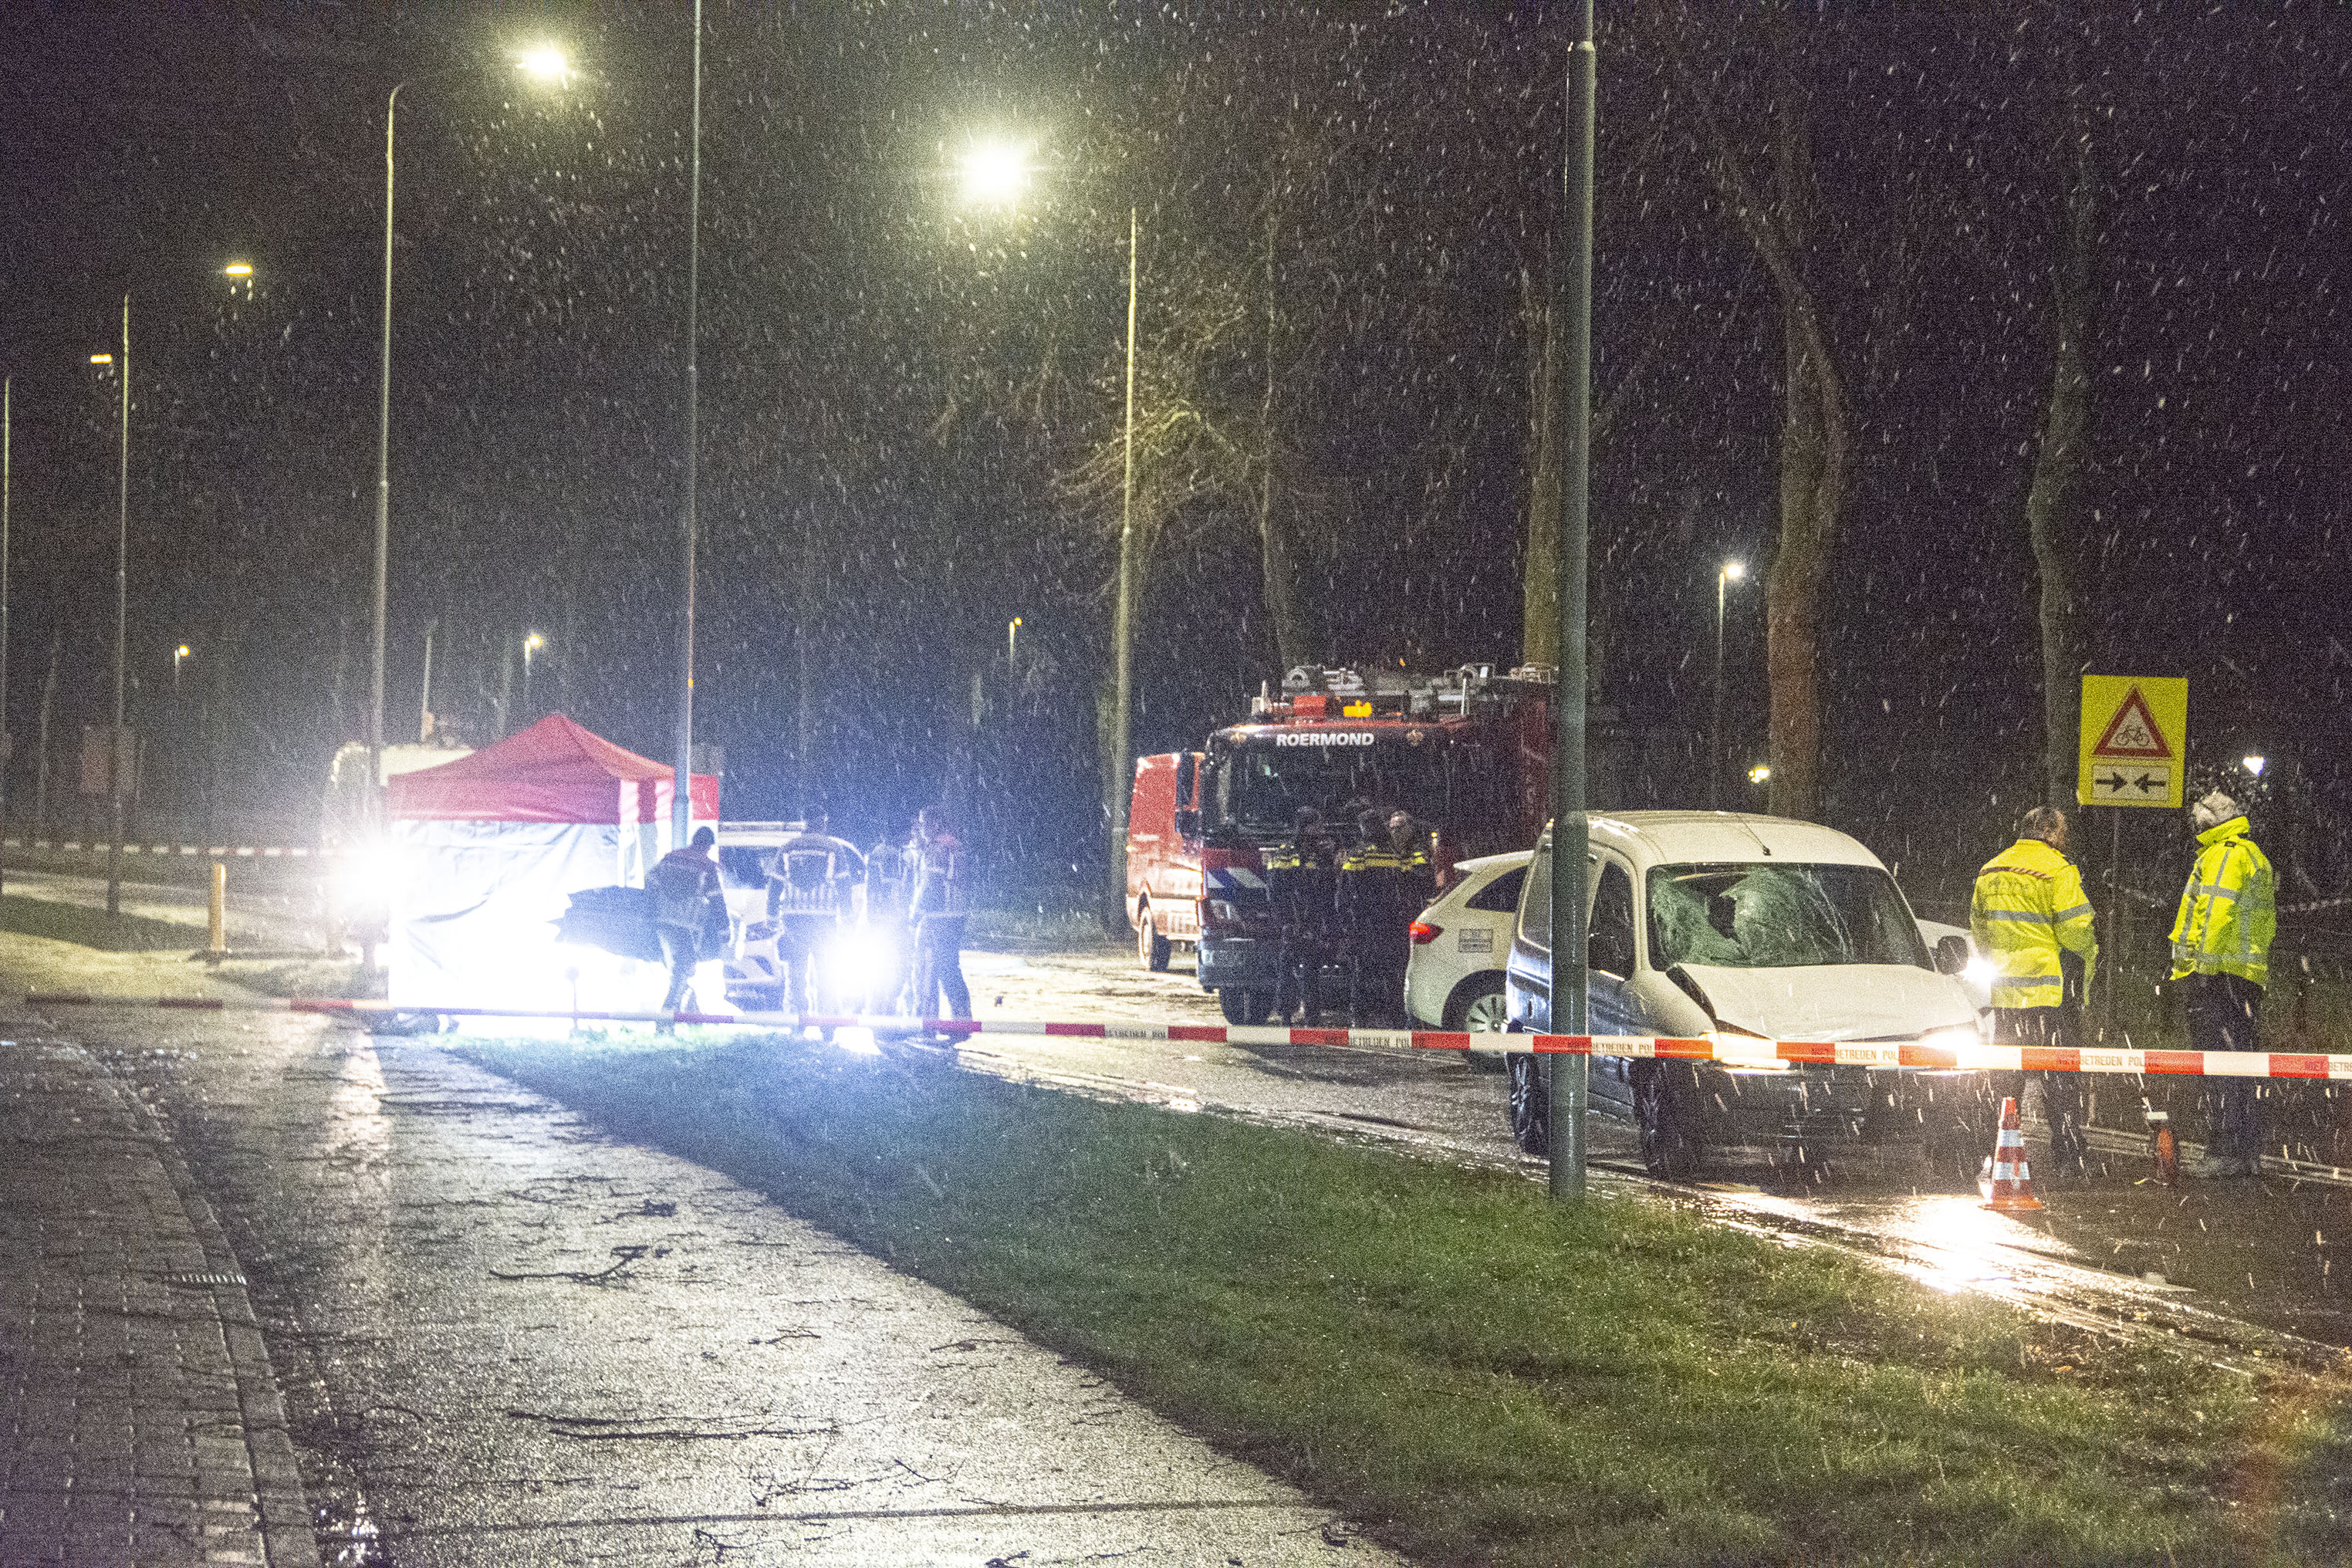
[(996, 174), (114, 761), (545, 63), (681, 805), (8, 435), (530, 645), (1730, 572)]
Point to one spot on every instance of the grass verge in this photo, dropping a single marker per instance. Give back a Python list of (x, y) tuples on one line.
[(94, 928), (1478, 1374)]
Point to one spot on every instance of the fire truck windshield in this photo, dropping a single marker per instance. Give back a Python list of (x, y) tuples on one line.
[(1261, 783)]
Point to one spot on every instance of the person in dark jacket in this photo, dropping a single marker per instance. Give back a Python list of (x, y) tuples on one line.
[(689, 910), (1384, 882), (937, 910), (810, 882)]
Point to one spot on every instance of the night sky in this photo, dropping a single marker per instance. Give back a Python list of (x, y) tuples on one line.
[(899, 391)]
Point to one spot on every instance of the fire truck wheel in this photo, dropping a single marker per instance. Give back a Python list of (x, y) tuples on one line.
[(1530, 1104), (1243, 1008), (1150, 947)]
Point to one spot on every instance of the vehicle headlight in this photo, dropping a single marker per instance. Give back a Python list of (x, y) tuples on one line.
[(861, 960), (1977, 970)]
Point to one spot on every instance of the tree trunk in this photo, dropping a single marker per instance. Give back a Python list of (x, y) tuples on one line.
[(1540, 588), (2054, 506), (1816, 430), (1294, 639)]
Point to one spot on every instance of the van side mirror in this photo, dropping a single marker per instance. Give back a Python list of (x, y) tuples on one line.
[(1951, 954), (1187, 822)]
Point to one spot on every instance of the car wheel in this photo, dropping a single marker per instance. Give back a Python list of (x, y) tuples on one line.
[(1665, 1109), (1480, 1008), (1150, 947), (1244, 1008), (1530, 1104)]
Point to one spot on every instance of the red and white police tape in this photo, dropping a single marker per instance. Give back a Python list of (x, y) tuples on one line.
[(1732, 1050)]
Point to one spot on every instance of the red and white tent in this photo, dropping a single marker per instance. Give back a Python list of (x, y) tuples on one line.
[(489, 849)]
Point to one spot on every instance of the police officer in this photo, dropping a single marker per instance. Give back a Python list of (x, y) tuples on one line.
[(2221, 957), (809, 893), (689, 911), (1300, 879), (2034, 925), (1384, 882)]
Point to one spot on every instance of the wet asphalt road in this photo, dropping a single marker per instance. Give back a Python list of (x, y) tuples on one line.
[(503, 1337), (2238, 1271)]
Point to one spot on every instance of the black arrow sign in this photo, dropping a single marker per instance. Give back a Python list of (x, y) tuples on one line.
[(2147, 786), (2111, 782)]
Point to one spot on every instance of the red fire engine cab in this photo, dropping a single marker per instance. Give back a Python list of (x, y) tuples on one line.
[(1467, 753)]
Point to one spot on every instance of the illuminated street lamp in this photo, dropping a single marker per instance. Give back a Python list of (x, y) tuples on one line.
[(542, 63), (1760, 774), (995, 173), (1730, 572)]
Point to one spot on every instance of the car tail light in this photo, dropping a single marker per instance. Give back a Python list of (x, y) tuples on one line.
[(1423, 933)]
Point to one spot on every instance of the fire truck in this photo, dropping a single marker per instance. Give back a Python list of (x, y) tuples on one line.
[(1467, 753)]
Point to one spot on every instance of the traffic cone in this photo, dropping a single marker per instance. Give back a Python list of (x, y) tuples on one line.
[(2161, 1145), (2012, 1180)]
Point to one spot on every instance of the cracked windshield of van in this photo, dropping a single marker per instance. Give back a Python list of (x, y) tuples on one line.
[(1261, 783), (1774, 916)]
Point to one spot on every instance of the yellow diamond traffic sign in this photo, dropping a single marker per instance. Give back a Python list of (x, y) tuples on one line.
[(2134, 749)]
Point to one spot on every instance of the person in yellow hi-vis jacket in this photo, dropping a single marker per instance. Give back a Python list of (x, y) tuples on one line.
[(2034, 924), (2222, 956)]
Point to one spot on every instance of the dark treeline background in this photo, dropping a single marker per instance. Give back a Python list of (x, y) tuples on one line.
[(911, 404)]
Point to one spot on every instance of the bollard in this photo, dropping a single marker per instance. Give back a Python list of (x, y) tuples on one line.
[(218, 947)]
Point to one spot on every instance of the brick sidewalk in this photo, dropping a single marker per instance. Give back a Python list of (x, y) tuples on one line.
[(139, 1418)]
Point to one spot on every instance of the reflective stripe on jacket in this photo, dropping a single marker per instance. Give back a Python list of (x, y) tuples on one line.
[(2229, 910), (2027, 906)]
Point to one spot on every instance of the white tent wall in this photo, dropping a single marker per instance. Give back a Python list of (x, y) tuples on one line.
[(473, 917)]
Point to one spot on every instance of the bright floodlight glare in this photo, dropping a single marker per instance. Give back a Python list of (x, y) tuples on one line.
[(102, 359), (1733, 570), (1758, 773), (534, 642), (544, 62), (2254, 765), (179, 652), (995, 172), (237, 269)]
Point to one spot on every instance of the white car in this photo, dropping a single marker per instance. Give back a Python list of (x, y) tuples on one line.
[(1454, 976), (1725, 924)]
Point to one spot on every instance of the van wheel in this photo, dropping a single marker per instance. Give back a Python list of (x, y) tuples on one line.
[(1530, 1104), (1665, 1109), (1243, 1008), (1150, 947), (1480, 1008)]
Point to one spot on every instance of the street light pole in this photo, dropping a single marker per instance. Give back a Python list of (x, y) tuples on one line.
[(1122, 630), (530, 645), (115, 759), (7, 438), (383, 496), (681, 806), (1572, 307), (1728, 573)]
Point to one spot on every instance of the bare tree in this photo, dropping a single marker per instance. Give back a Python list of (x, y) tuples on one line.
[(2053, 502), (1779, 221)]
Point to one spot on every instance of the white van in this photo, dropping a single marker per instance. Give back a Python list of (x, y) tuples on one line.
[(1706, 922)]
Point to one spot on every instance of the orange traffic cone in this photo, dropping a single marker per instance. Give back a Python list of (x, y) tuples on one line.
[(2012, 1180)]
